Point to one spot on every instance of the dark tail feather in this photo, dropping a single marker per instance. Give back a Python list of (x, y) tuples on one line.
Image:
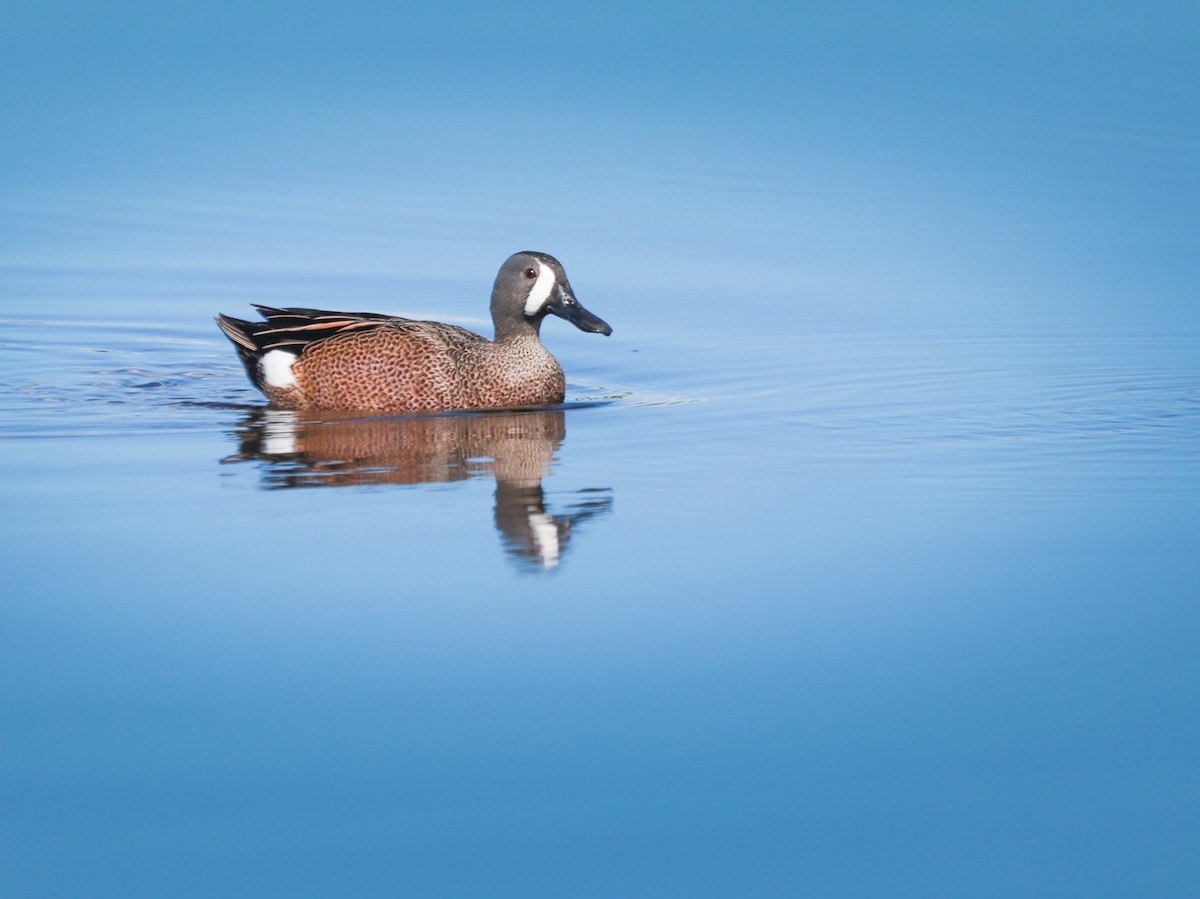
[(240, 334)]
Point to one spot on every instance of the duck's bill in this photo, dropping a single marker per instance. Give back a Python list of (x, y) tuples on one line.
[(566, 306)]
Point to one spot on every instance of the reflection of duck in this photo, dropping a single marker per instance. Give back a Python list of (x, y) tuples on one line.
[(366, 362), (516, 448)]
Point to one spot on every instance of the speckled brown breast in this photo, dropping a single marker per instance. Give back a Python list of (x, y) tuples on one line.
[(421, 367)]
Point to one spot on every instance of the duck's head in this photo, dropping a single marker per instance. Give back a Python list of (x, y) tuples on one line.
[(531, 285)]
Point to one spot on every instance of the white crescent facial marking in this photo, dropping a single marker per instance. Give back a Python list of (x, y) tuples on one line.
[(539, 294), (276, 368)]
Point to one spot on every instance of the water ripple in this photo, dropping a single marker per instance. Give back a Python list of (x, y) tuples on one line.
[(934, 397)]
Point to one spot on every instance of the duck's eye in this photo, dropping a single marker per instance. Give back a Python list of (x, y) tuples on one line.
[(531, 273)]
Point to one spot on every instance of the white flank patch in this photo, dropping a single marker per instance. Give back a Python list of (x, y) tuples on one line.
[(545, 535), (276, 368), (539, 294)]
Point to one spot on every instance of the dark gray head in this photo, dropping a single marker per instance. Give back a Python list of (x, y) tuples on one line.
[(528, 287)]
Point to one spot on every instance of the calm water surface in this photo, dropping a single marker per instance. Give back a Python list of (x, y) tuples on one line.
[(728, 618), (861, 560)]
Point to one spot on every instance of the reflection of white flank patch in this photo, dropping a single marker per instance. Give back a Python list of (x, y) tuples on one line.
[(279, 433), (276, 368), (545, 535), (540, 292)]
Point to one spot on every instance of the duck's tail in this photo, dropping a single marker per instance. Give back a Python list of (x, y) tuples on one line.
[(241, 335)]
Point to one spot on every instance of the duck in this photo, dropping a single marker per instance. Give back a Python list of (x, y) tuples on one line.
[(367, 362)]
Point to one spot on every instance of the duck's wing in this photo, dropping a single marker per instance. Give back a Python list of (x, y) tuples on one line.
[(294, 328), (298, 315)]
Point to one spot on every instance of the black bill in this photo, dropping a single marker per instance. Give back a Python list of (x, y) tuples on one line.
[(564, 305)]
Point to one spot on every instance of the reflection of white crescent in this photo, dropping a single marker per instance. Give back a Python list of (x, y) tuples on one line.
[(545, 534)]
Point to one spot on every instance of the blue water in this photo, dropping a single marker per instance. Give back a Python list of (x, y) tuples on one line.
[(861, 560)]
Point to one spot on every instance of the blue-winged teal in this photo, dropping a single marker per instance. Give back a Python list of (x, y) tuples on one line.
[(366, 362)]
